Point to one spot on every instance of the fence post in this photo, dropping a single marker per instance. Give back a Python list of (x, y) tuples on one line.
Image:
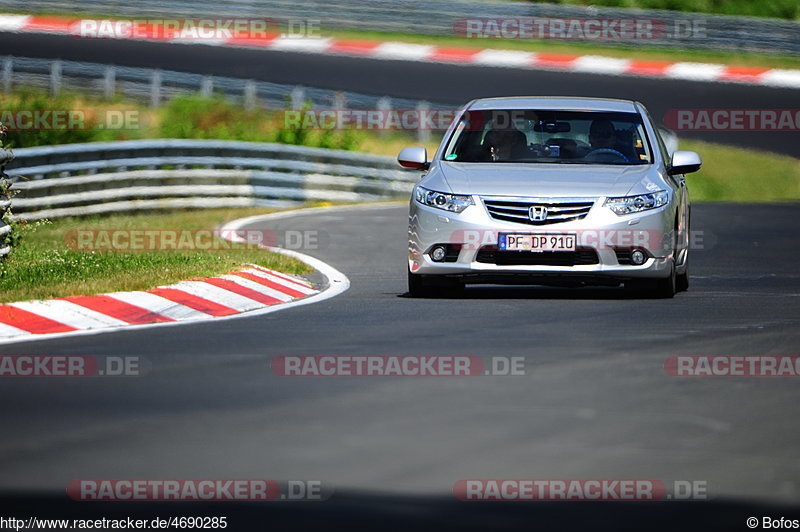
[(339, 100), (207, 87), (55, 77), (155, 89), (298, 97), (110, 82), (423, 133), (384, 105), (8, 73), (250, 101)]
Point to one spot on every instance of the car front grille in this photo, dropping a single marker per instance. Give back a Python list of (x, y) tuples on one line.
[(623, 256), (579, 257), (558, 211)]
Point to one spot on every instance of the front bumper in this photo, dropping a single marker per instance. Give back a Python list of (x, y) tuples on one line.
[(473, 232)]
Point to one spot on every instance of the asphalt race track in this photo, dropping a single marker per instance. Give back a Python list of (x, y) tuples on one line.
[(595, 401), (435, 82)]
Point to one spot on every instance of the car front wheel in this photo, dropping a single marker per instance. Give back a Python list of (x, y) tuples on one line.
[(654, 288), (682, 280), (667, 287), (416, 287)]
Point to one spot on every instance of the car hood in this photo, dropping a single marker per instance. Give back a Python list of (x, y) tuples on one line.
[(530, 179)]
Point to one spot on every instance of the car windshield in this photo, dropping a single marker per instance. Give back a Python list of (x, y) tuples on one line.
[(546, 136)]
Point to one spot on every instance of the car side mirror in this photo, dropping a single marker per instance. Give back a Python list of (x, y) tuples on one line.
[(684, 162), (415, 158)]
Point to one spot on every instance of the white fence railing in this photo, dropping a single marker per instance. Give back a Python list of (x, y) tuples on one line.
[(105, 177), (5, 203), (156, 86), (136, 175)]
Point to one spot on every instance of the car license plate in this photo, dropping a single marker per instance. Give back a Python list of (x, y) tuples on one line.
[(536, 242)]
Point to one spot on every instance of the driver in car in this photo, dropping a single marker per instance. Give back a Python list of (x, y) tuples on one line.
[(603, 136)]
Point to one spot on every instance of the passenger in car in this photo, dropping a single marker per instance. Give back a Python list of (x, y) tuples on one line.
[(506, 144), (472, 150)]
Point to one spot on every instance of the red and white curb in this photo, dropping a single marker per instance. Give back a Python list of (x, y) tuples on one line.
[(250, 291), (706, 72), (245, 290)]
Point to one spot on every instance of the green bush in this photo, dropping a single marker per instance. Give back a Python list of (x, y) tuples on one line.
[(197, 117), (41, 103)]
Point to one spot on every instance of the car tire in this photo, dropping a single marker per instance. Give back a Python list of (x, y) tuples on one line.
[(653, 288), (416, 286), (682, 280), (667, 287)]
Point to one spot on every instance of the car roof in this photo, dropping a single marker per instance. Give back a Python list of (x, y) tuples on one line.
[(554, 103)]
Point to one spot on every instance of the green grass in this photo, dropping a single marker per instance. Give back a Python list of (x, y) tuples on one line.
[(192, 116), (786, 9), (90, 114), (735, 174), (185, 117), (45, 265), (639, 51)]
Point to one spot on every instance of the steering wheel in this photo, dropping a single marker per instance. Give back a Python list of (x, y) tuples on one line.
[(609, 151)]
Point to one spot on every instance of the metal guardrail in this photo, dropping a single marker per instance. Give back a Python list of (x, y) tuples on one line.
[(105, 177), (750, 34), (157, 86), (93, 178), (139, 175)]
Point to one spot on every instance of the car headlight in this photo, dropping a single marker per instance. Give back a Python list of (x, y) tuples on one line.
[(440, 200), (638, 203)]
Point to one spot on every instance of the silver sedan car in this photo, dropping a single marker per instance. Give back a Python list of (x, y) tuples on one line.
[(550, 191)]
